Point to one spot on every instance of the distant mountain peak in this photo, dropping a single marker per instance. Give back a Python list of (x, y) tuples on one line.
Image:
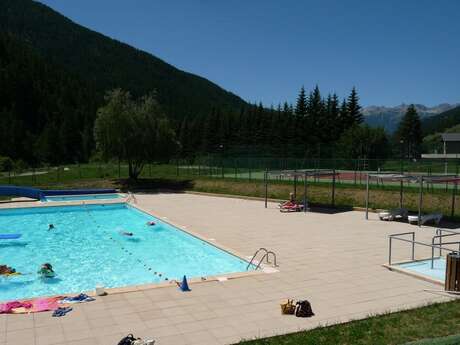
[(389, 117)]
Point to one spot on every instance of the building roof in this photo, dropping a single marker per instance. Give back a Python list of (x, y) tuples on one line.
[(450, 136)]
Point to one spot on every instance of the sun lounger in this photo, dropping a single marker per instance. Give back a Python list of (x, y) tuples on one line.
[(394, 214), (433, 217), (291, 207)]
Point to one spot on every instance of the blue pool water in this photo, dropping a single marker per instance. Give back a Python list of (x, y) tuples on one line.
[(87, 249), (107, 196), (423, 267)]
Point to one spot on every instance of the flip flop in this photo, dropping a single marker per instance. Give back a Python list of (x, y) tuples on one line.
[(61, 311)]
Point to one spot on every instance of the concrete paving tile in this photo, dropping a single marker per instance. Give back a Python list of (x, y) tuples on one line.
[(79, 334), (200, 337), (49, 339), (166, 331), (88, 341)]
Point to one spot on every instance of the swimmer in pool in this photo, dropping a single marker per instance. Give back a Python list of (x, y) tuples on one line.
[(46, 271), (50, 227), (125, 233), (6, 270), (151, 223)]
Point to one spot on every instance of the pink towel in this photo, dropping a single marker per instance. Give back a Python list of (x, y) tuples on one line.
[(30, 306), (45, 304), (8, 307)]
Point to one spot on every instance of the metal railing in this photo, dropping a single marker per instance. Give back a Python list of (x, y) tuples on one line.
[(439, 235), (266, 256), (394, 236), (413, 242)]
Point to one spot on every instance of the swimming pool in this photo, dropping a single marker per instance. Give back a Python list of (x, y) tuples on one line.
[(108, 196), (423, 267), (86, 248)]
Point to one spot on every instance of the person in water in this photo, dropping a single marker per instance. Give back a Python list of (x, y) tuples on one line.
[(151, 223), (126, 233), (6, 270), (46, 271), (50, 227)]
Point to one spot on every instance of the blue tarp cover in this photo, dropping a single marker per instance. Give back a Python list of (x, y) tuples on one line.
[(26, 192), (77, 191)]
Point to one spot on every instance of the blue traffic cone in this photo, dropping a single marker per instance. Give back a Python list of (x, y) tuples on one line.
[(184, 285)]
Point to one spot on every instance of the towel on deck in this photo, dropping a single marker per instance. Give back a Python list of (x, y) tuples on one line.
[(77, 299), (30, 306)]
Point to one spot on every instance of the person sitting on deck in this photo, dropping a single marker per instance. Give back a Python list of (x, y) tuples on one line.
[(290, 202), (46, 271)]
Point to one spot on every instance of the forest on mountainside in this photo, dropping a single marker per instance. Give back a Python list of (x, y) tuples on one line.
[(441, 122), (46, 113)]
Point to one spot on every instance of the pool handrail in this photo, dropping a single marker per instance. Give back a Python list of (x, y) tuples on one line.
[(265, 256), (413, 242), (439, 231), (441, 236)]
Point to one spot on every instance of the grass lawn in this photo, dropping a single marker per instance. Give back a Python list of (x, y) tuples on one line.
[(433, 321), (156, 177)]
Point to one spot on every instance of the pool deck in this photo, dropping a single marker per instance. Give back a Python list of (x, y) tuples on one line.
[(333, 260)]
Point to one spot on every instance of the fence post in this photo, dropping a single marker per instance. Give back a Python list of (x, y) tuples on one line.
[(222, 168), (333, 187), (249, 167)]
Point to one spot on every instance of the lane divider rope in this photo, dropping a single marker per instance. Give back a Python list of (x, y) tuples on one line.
[(146, 266)]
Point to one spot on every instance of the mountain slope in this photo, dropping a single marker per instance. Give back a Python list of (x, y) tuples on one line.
[(389, 117), (46, 113), (441, 122), (108, 63)]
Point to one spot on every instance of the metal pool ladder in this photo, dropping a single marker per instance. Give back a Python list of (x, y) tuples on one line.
[(131, 198), (266, 256)]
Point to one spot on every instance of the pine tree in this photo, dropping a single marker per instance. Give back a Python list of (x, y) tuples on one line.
[(344, 121), (410, 132), (354, 109), (301, 105), (329, 119)]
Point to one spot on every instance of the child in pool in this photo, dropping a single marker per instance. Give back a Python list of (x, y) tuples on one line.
[(46, 271), (6, 270)]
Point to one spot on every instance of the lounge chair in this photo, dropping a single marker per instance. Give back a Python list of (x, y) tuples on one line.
[(291, 207), (394, 214), (432, 217)]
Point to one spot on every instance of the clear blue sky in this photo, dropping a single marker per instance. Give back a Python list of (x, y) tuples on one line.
[(393, 51)]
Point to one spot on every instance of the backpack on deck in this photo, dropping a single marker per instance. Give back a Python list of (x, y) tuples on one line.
[(303, 309), (128, 340)]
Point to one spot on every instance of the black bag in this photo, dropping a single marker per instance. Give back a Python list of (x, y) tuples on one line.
[(128, 340), (303, 309)]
